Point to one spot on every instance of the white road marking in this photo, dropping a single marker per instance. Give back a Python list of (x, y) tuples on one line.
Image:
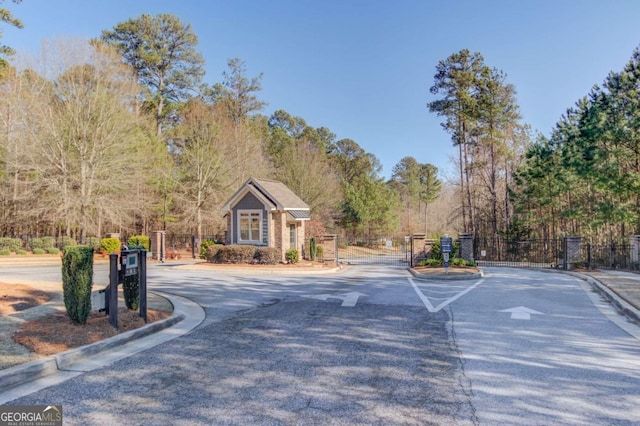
[(522, 313), (348, 299), (427, 303)]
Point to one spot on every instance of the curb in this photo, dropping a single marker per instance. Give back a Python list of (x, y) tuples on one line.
[(441, 277), (610, 296), (76, 359)]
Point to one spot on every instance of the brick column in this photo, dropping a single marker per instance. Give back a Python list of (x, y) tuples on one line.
[(572, 251), (330, 248), (466, 247), (418, 248)]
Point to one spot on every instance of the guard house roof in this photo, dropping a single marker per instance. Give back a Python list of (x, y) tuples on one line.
[(274, 194)]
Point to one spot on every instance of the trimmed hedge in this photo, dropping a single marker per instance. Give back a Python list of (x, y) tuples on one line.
[(131, 292), (266, 255), (110, 245), (42, 243), (218, 253), (139, 241), (38, 251), (11, 244), (77, 280)]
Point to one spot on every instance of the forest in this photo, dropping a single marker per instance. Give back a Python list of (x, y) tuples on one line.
[(121, 134)]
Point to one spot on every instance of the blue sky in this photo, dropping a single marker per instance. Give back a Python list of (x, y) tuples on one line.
[(363, 68)]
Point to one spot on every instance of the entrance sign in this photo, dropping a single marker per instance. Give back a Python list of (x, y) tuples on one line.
[(446, 247)]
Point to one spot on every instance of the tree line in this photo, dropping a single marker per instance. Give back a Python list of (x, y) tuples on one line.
[(121, 134)]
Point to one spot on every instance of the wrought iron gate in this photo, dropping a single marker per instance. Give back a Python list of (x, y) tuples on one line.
[(519, 253), (387, 251)]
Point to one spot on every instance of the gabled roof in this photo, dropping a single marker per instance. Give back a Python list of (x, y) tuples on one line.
[(274, 194)]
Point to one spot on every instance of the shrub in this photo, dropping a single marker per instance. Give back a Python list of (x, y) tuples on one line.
[(93, 242), (430, 262), (461, 262), (292, 256), (267, 255), (212, 253), (65, 242), (41, 243), (313, 249), (77, 280), (21, 252), (204, 249), (139, 241), (11, 244), (110, 245), (54, 250), (131, 292), (235, 254), (5, 252), (38, 251)]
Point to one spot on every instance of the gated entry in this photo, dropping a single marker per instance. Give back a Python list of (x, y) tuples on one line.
[(524, 253), (388, 251)]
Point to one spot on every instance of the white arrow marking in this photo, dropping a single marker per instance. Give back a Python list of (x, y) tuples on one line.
[(348, 299), (522, 313)]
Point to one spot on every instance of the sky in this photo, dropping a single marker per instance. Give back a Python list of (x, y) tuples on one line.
[(363, 68)]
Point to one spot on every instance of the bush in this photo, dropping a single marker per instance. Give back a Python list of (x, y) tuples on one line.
[(65, 242), (204, 248), (320, 255), (139, 241), (430, 262), (110, 245), (54, 250), (39, 251), (21, 252), (461, 262), (211, 255), (267, 256), (94, 243), (292, 256), (235, 254), (313, 249), (42, 243), (131, 292), (5, 252), (11, 244), (77, 280)]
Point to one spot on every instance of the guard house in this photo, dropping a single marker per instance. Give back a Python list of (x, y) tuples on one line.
[(266, 213)]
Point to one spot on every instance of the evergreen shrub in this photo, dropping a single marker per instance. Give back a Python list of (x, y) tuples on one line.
[(236, 254), (65, 242), (139, 241), (42, 243), (53, 250), (131, 292), (110, 245), (5, 252), (38, 251), (292, 256), (94, 243), (21, 252), (211, 253), (11, 244), (77, 280), (267, 256), (313, 249)]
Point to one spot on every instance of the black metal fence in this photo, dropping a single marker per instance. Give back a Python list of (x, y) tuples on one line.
[(526, 253), (609, 256)]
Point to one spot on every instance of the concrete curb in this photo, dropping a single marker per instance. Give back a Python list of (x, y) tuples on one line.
[(86, 358), (441, 277), (612, 297)]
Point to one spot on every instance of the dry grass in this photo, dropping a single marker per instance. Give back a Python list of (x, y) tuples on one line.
[(18, 297)]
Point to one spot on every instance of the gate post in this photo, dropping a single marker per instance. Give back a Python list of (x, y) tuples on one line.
[(572, 251), (634, 241), (330, 248), (466, 246), (158, 248), (417, 248)]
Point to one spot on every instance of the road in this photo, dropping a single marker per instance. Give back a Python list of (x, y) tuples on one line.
[(370, 345)]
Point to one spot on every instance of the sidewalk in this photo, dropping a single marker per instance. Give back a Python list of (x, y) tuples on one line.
[(620, 288)]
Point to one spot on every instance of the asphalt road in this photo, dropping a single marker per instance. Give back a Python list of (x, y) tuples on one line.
[(370, 346)]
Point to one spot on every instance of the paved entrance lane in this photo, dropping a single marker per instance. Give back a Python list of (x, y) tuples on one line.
[(299, 361), (568, 364)]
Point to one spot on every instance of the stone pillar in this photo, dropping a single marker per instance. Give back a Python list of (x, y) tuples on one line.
[(418, 249), (572, 251), (281, 236), (465, 242), (634, 242), (158, 249), (330, 248)]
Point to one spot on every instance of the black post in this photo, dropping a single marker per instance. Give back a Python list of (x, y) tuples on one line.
[(161, 247), (588, 255), (112, 297), (142, 275), (193, 246)]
